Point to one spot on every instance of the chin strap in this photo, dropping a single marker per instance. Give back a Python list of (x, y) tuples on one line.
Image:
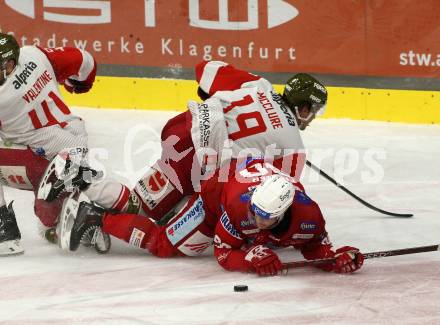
[(303, 122)]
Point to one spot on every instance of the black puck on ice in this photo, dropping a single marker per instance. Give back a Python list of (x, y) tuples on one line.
[(240, 288)]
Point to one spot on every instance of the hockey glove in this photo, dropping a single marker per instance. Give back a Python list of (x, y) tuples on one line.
[(264, 260), (348, 260), (77, 87)]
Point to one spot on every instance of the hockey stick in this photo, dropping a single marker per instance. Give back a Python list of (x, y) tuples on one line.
[(342, 187), (395, 252)]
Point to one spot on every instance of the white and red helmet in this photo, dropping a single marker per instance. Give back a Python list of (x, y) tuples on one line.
[(272, 197)]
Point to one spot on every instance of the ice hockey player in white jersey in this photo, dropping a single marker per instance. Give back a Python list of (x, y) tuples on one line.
[(36, 125), (242, 117)]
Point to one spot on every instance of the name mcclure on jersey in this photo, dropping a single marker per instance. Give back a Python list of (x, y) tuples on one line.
[(270, 110)]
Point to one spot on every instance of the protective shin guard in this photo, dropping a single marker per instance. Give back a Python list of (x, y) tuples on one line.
[(138, 231)]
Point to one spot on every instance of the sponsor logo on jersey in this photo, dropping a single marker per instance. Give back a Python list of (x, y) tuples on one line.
[(302, 236), (22, 76), (308, 226), (227, 225), (136, 237), (204, 125), (193, 216), (78, 151), (286, 111), (153, 188)]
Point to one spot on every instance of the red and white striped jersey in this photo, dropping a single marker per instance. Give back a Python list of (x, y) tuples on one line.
[(31, 104), (244, 116)]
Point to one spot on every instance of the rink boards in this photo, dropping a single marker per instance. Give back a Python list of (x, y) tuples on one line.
[(409, 106)]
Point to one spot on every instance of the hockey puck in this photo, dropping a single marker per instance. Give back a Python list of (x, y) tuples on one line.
[(240, 288)]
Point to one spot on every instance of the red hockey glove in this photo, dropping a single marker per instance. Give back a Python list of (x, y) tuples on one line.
[(348, 260), (264, 260), (77, 87)]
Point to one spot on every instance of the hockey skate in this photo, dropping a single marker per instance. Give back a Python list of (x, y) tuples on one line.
[(73, 176), (80, 224), (9, 233)]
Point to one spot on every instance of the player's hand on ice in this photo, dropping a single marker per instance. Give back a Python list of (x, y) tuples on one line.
[(77, 87), (348, 260), (264, 260)]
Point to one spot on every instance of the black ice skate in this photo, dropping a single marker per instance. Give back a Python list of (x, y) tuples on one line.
[(9, 233), (83, 228)]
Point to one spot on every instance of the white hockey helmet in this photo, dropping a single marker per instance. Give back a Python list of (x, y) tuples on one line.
[(272, 197)]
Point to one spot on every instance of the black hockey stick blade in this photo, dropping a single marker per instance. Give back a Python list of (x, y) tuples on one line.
[(395, 252), (365, 203)]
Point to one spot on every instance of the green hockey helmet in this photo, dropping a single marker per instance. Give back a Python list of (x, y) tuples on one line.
[(304, 89), (9, 49)]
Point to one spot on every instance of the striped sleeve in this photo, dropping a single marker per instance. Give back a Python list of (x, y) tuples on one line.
[(70, 62), (213, 76)]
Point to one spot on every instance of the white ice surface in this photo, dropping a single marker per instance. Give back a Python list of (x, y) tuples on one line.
[(129, 286)]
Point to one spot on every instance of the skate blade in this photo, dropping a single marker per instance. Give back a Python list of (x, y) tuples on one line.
[(11, 248), (65, 225)]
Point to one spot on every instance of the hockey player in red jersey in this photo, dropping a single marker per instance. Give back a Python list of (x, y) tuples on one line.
[(258, 208), (36, 125), (277, 214), (242, 116)]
